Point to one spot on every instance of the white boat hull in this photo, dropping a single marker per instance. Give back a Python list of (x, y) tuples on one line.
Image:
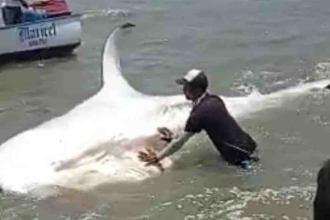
[(48, 34)]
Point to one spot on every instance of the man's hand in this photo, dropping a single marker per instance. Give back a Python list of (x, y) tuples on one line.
[(150, 158), (166, 134)]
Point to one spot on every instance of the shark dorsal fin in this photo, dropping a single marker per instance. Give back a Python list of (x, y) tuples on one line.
[(114, 83)]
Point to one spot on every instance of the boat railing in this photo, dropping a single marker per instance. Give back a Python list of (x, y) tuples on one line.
[(41, 21)]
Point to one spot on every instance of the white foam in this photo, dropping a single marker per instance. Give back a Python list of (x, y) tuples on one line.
[(94, 143), (105, 13)]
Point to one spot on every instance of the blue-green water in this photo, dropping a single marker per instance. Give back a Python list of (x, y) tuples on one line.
[(240, 44)]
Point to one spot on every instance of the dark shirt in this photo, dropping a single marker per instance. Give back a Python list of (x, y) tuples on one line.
[(211, 115)]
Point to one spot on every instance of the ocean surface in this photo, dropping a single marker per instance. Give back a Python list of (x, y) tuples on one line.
[(258, 47)]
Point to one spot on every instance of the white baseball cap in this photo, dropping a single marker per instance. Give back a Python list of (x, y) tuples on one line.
[(194, 77)]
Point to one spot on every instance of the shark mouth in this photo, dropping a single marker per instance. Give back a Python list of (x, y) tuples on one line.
[(97, 141)]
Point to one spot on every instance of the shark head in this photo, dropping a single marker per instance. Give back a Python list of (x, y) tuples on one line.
[(96, 141)]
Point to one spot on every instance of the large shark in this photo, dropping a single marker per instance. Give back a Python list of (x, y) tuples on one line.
[(97, 141)]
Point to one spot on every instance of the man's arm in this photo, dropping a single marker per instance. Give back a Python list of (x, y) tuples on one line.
[(175, 145)]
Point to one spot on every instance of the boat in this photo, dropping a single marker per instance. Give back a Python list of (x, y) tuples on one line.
[(57, 35)]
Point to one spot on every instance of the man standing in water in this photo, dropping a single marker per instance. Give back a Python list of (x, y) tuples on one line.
[(209, 113)]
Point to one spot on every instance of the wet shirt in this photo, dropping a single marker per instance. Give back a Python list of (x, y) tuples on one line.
[(210, 114)]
